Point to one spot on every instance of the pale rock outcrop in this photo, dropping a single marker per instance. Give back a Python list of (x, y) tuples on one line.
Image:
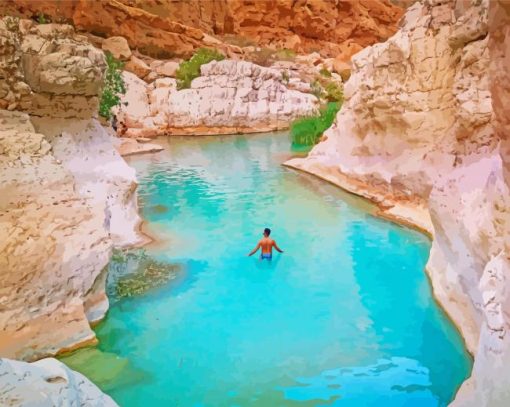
[(47, 383), (67, 197), (229, 97), (118, 47), (422, 132), (165, 68), (131, 146)]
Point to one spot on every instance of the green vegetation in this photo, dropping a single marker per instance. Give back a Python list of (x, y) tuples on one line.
[(189, 70), (135, 273), (113, 86), (307, 131), (285, 54), (42, 19), (285, 77), (317, 89), (334, 92), (324, 72)]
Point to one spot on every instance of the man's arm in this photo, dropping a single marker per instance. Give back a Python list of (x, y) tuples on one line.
[(254, 250), (276, 247)]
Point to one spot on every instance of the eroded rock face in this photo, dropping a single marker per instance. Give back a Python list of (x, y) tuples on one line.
[(229, 97), (47, 383), (419, 135), (164, 29), (67, 197)]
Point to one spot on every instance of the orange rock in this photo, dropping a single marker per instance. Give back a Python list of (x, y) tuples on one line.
[(176, 28), (342, 68)]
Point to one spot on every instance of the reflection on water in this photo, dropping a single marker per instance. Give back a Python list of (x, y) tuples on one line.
[(236, 331), (394, 381)]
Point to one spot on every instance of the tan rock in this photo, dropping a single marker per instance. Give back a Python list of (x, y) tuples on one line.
[(47, 382), (130, 146), (138, 67), (342, 68), (168, 68), (118, 47)]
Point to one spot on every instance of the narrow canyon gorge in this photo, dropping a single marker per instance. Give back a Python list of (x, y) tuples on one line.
[(423, 132)]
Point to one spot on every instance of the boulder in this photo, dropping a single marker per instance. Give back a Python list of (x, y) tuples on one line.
[(168, 68), (138, 67), (342, 68), (118, 47), (47, 382)]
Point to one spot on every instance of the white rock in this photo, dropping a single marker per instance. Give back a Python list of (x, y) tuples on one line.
[(47, 383)]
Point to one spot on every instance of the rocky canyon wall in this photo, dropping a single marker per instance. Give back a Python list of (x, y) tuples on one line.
[(229, 97), (423, 132), (66, 196), (175, 28)]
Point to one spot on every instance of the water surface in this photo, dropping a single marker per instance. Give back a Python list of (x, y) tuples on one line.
[(344, 317)]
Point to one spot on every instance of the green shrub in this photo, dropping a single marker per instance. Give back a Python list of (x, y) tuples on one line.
[(317, 89), (285, 77), (42, 19), (308, 130), (113, 86), (334, 92), (324, 72), (189, 70), (285, 54)]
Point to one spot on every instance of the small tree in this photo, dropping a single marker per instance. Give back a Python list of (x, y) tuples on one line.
[(113, 86), (189, 70)]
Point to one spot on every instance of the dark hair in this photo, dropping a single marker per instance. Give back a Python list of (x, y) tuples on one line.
[(267, 231)]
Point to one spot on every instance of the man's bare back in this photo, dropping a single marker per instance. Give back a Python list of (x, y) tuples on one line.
[(266, 244)]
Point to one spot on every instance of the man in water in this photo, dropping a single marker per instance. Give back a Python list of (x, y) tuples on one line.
[(267, 244)]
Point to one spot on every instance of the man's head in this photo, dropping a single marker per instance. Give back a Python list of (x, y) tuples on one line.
[(267, 232)]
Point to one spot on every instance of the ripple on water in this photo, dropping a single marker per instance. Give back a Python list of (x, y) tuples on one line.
[(344, 317)]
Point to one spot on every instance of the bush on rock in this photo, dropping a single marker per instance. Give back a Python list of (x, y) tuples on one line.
[(113, 86), (189, 70)]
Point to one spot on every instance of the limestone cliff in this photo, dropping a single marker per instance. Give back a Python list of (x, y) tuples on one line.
[(423, 132), (66, 196), (47, 383), (174, 28), (229, 97)]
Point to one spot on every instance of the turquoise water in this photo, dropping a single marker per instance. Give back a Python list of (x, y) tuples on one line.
[(345, 316)]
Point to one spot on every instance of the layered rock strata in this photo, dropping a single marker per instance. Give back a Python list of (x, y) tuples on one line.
[(66, 195), (422, 133), (47, 382), (176, 28), (229, 97)]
